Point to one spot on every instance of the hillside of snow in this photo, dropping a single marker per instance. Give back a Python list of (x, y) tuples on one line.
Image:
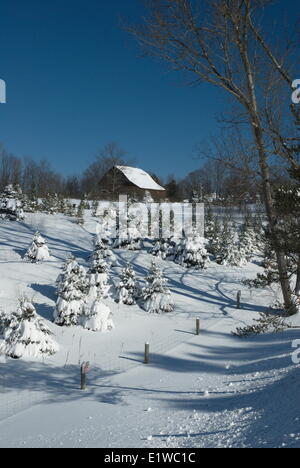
[(211, 390)]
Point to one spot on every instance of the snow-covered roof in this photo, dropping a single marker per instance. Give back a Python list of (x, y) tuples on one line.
[(139, 178)]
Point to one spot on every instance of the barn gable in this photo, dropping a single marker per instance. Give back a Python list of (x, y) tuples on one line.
[(139, 178), (132, 181)]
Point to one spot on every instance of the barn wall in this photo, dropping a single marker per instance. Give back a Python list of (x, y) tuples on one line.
[(114, 183)]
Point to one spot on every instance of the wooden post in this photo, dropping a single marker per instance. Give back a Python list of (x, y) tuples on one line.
[(146, 356), (82, 379), (83, 372), (238, 299), (197, 326)]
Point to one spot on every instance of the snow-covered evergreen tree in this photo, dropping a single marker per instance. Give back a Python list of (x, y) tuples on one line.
[(95, 208), (212, 232), (248, 238), (31, 199), (4, 321), (156, 295), (50, 204), (80, 213), (270, 274), (98, 278), (71, 288), (38, 250), (130, 239), (209, 223), (97, 316), (230, 252), (11, 204), (215, 240), (196, 196), (70, 210), (62, 205), (85, 202), (102, 248), (148, 198), (191, 252), (127, 289), (30, 204), (26, 334), (107, 221), (164, 248)]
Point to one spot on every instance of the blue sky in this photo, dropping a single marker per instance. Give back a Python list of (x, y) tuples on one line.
[(75, 82)]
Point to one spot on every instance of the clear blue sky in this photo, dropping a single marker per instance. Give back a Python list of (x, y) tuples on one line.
[(75, 82)]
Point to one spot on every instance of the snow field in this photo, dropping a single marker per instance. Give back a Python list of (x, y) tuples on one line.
[(210, 390)]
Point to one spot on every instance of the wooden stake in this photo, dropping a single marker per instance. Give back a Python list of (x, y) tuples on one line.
[(238, 299), (146, 356), (82, 380), (197, 326), (84, 369)]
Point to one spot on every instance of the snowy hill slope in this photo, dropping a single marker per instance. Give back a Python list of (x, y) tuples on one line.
[(210, 390)]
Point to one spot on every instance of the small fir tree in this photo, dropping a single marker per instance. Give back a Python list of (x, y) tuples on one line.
[(248, 238), (127, 289), (102, 248), (164, 248), (95, 207), (129, 240), (80, 213), (30, 204), (70, 209), (26, 334), (230, 252), (98, 278), (191, 252), (209, 223), (71, 288), (11, 204), (156, 295), (212, 232), (50, 204), (215, 241), (38, 250), (97, 316)]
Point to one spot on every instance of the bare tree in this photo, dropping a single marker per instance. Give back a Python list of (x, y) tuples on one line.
[(232, 161), (111, 155), (221, 42), (10, 168)]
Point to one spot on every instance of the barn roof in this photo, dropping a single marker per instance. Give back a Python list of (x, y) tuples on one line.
[(139, 178)]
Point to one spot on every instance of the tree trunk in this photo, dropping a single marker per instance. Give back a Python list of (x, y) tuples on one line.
[(265, 174), (297, 287), (272, 219)]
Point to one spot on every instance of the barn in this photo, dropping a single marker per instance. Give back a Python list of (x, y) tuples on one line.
[(130, 181)]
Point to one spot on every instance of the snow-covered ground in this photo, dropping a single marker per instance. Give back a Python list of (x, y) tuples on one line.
[(211, 390)]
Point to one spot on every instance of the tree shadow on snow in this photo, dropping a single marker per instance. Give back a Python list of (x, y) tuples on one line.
[(221, 300), (45, 290), (51, 384), (45, 311), (263, 384)]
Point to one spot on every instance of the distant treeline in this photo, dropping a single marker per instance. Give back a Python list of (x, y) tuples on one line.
[(214, 180)]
